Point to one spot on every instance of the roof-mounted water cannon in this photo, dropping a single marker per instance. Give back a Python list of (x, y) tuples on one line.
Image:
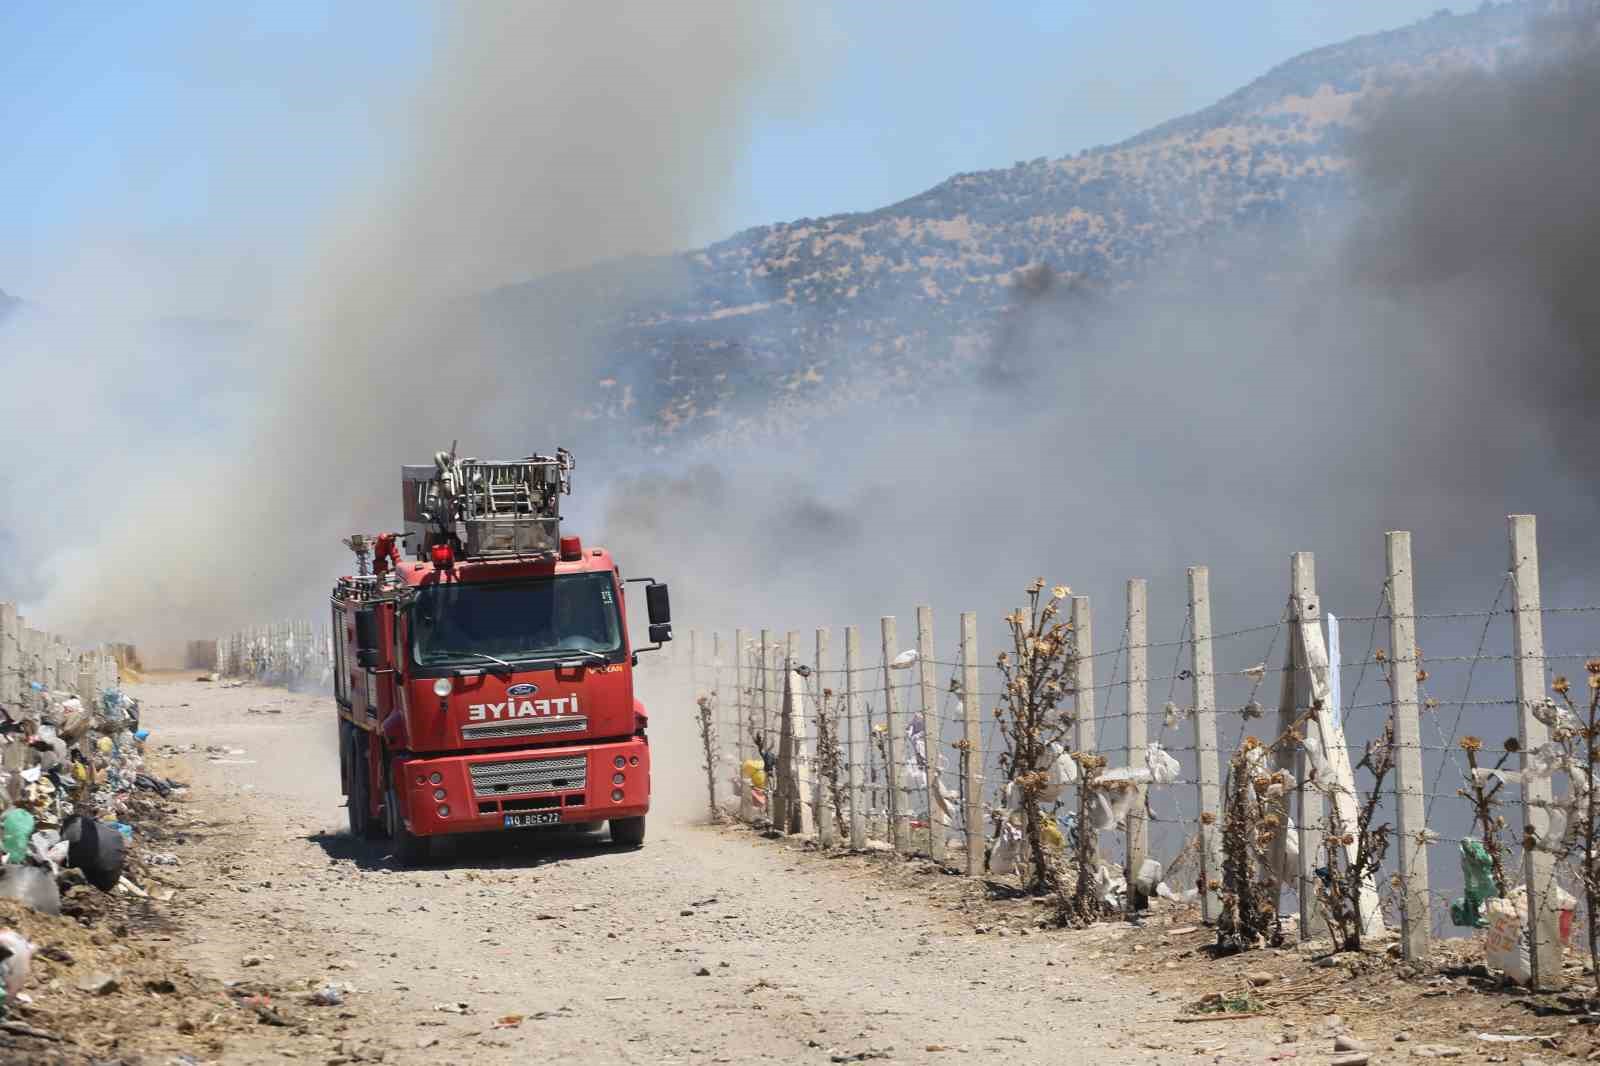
[(357, 542), (487, 508)]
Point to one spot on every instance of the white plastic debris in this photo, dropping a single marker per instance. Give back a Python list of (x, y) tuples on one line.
[(18, 958), (1148, 878), (905, 660), (1188, 895), (1164, 769), (1504, 946), (1006, 858)]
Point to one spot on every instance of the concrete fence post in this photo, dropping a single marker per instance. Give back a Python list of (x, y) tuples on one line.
[(1306, 611), (741, 716), (894, 742), (694, 663), (932, 728), (856, 722), (822, 800), (1208, 787), (785, 795), (1408, 781), (1138, 716), (972, 749), (764, 679), (1084, 734), (10, 656), (1527, 647)]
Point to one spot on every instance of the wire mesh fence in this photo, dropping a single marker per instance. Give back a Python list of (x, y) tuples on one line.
[(1439, 700)]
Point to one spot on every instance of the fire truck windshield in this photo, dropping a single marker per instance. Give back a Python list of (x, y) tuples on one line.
[(464, 624)]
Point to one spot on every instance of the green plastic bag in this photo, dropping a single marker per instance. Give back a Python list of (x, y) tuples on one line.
[(1477, 877), (15, 829)]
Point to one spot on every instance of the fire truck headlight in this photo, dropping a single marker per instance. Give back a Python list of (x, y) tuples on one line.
[(619, 762), (438, 793), (444, 812), (616, 795), (436, 778), (617, 779), (441, 687)]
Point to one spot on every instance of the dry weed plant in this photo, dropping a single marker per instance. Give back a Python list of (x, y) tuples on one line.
[(1036, 675), (1252, 817), (830, 760), (1340, 881), (1483, 792), (1084, 904), (706, 718), (1575, 731)]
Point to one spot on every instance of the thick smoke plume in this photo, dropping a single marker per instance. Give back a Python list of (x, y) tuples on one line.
[(547, 136), (1426, 363)]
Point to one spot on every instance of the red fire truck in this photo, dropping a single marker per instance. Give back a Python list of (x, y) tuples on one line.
[(482, 665)]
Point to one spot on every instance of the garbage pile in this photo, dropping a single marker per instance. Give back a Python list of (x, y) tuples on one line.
[(70, 775)]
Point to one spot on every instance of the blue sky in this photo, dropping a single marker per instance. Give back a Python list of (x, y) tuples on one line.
[(207, 134)]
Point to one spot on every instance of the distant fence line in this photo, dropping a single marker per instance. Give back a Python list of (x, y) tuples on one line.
[(897, 715), (285, 653)]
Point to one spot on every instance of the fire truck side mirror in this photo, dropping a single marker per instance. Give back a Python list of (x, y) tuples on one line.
[(367, 645), (659, 608)]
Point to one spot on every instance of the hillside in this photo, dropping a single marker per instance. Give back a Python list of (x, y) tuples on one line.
[(830, 311)]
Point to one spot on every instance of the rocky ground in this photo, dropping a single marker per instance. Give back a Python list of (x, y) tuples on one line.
[(285, 939)]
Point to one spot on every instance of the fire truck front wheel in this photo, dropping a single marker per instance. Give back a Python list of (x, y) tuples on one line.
[(407, 848), (358, 801), (628, 832)]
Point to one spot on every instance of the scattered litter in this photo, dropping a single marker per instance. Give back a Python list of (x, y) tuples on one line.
[(1508, 1038), (98, 984), (329, 994)]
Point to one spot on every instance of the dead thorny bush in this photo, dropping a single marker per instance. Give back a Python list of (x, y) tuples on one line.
[(1341, 880), (1036, 675), (706, 719), (830, 759), (1482, 791), (1575, 736), (1084, 903), (1253, 815)]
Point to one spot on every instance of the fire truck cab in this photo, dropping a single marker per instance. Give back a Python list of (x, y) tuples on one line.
[(484, 679)]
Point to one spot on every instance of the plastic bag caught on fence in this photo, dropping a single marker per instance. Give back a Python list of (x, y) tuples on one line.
[(1110, 801), (1006, 858), (1164, 769), (1477, 875)]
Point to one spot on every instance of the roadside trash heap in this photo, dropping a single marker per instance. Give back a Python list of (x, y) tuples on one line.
[(71, 775)]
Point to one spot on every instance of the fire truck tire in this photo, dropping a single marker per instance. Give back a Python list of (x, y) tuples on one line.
[(358, 801), (407, 848), (628, 832)]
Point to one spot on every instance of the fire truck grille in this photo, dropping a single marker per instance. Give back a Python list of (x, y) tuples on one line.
[(521, 727), (529, 775)]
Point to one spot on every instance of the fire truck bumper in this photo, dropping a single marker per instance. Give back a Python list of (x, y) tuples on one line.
[(583, 783)]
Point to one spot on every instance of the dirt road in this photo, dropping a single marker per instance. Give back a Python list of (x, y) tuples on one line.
[(706, 946)]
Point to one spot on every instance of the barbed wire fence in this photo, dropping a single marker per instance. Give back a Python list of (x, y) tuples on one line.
[(297, 654), (923, 759)]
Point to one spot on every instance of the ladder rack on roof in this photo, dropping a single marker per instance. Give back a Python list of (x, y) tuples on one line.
[(487, 508)]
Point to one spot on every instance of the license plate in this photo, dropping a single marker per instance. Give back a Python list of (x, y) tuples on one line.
[(518, 821)]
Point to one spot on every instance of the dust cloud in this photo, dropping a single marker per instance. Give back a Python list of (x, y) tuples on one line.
[(546, 137)]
